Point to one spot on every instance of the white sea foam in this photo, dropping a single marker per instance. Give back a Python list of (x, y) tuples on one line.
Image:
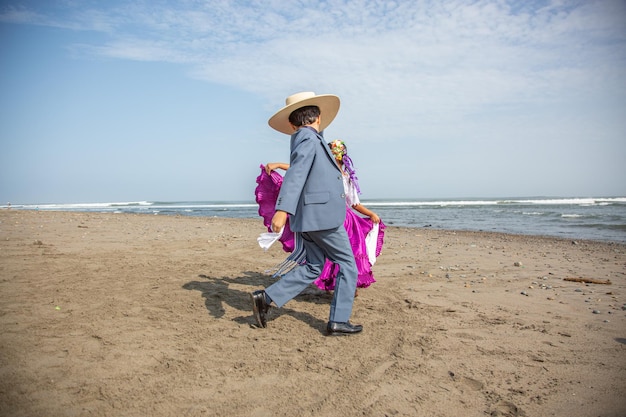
[(188, 206), (587, 201), (442, 203), (79, 206), (485, 202), (572, 201)]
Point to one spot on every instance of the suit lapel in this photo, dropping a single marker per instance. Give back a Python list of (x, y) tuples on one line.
[(328, 151)]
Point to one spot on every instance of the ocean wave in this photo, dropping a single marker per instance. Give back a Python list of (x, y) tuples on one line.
[(398, 203), (591, 201), (80, 206), (130, 205), (573, 201)]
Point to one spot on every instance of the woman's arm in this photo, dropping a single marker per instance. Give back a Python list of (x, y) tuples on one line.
[(273, 166), (366, 212)]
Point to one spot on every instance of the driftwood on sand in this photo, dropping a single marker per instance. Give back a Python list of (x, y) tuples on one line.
[(589, 280)]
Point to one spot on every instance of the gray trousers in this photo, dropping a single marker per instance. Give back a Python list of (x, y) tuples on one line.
[(319, 245)]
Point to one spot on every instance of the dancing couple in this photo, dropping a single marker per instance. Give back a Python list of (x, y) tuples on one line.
[(312, 206)]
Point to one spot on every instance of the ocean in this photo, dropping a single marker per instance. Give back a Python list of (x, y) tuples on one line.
[(601, 218)]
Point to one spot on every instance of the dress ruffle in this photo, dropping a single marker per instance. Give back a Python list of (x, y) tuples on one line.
[(357, 227), (266, 192)]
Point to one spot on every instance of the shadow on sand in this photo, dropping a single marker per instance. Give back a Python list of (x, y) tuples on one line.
[(217, 294)]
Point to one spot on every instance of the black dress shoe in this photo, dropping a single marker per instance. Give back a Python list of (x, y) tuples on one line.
[(260, 307), (342, 329)]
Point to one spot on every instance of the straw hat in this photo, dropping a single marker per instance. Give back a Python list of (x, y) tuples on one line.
[(328, 104)]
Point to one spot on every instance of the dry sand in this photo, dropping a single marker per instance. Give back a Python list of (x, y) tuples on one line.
[(142, 315)]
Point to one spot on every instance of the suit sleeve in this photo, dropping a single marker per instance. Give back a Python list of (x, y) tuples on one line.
[(301, 160)]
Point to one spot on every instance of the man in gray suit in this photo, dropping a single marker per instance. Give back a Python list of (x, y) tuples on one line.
[(313, 197)]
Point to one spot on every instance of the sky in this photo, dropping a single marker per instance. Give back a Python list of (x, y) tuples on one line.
[(152, 100)]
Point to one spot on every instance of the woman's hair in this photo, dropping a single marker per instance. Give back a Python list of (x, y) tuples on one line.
[(304, 116)]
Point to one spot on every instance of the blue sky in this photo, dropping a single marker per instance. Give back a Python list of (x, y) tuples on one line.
[(169, 101)]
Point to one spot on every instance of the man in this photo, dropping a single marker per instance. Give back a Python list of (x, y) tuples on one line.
[(312, 195)]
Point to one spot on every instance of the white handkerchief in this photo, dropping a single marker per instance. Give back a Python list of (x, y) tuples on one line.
[(371, 240), (267, 239)]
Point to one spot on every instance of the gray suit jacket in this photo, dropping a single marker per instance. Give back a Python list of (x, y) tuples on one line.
[(312, 190)]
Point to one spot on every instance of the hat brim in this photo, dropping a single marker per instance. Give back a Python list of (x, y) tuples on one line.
[(328, 104)]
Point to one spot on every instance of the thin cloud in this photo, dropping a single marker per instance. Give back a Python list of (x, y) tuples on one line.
[(452, 42)]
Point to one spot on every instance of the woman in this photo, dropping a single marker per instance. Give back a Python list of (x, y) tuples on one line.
[(363, 232)]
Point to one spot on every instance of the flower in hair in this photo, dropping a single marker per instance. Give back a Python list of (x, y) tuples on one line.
[(338, 148)]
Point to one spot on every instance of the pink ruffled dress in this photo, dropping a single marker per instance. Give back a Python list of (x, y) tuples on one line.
[(266, 192)]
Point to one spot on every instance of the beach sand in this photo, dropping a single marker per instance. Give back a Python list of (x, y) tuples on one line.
[(143, 315)]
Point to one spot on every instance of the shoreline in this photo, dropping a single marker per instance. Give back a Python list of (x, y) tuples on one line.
[(133, 314), (390, 224)]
